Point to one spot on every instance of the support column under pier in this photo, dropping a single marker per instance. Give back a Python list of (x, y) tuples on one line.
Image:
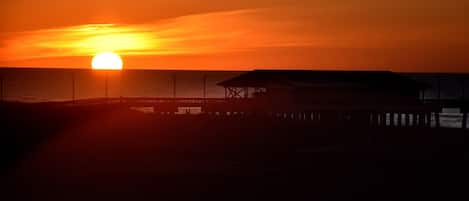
[(407, 119), (382, 119), (399, 119), (421, 119), (391, 118), (429, 119), (414, 119), (464, 120), (374, 119)]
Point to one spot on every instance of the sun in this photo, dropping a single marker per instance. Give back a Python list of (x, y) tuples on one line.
[(107, 61)]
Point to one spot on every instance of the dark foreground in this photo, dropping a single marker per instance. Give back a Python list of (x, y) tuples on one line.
[(57, 153)]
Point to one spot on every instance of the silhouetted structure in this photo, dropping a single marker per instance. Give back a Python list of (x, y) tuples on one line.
[(370, 97), (1, 88), (324, 86), (358, 97)]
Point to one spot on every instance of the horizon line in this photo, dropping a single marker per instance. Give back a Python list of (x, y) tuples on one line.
[(223, 70)]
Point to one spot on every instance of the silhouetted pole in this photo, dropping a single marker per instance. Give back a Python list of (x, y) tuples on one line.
[(464, 120), (439, 89), (463, 97), (226, 93), (73, 87), (423, 95), (120, 86), (205, 92), (174, 85), (1, 88), (205, 86), (106, 85)]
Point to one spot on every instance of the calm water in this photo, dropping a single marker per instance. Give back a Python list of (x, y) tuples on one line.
[(37, 85), (33, 85)]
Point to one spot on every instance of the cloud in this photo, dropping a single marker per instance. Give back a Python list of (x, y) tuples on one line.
[(217, 32)]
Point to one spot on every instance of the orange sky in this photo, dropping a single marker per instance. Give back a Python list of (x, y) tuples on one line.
[(399, 35)]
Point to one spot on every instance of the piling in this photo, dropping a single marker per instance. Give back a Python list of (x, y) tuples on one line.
[(1, 88), (73, 87), (391, 119), (106, 86), (429, 119), (421, 119), (374, 119), (414, 119), (407, 119), (399, 119), (381, 119), (174, 85), (464, 120)]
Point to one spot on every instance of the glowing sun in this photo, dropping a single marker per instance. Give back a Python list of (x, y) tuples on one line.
[(107, 61)]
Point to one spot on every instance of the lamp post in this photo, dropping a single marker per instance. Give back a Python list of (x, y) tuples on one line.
[(73, 86), (1, 88), (174, 86), (205, 86), (106, 85)]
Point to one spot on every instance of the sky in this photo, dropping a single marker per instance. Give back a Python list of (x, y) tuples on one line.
[(398, 35)]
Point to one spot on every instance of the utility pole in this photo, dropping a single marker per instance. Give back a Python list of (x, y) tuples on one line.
[(120, 86), (1, 88), (205, 86), (73, 86), (174, 85), (439, 88), (463, 90), (204, 106), (106, 86)]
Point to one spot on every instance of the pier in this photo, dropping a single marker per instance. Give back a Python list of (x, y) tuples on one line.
[(375, 116)]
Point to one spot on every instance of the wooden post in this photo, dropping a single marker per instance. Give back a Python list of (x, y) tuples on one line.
[(1, 88), (121, 73), (73, 87), (437, 119), (382, 119), (429, 119), (204, 105), (226, 93), (421, 119), (377, 118), (439, 89), (407, 119), (391, 118), (464, 120), (399, 119), (423, 95), (205, 86), (174, 85), (106, 85), (463, 97), (414, 119), (372, 119)]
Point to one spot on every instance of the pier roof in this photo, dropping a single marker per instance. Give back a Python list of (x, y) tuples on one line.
[(320, 78)]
